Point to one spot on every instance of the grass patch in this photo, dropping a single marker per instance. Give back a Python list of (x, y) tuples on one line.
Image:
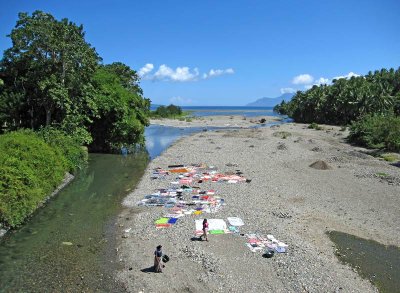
[(282, 134), (381, 174), (315, 126), (390, 157)]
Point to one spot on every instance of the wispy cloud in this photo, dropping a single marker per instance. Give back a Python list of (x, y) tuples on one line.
[(217, 72), (180, 101), (179, 74), (287, 90), (348, 75), (303, 79)]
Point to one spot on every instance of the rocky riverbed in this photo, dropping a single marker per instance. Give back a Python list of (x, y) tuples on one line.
[(304, 182)]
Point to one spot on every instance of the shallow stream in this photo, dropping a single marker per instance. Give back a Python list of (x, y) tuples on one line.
[(372, 260)]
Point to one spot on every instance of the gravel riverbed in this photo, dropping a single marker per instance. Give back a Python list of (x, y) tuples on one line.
[(286, 197)]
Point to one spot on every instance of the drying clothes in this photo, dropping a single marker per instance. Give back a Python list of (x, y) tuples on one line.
[(235, 221)]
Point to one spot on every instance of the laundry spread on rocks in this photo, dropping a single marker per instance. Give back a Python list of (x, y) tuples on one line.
[(183, 197)]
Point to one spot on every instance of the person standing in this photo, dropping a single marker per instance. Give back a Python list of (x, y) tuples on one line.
[(205, 229), (158, 265)]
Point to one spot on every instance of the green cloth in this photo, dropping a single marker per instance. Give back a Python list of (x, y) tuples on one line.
[(216, 232), (162, 221)]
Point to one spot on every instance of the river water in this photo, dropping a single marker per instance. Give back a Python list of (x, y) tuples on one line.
[(69, 244)]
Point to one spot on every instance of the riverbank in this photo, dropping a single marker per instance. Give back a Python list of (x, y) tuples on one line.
[(67, 180), (235, 121), (357, 194)]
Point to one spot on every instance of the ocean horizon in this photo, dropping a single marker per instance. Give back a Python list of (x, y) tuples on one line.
[(201, 111)]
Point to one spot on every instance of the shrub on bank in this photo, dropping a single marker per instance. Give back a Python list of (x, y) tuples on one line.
[(76, 156), (30, 169), (377, 131)]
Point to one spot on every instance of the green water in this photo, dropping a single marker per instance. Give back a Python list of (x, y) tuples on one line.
[(372, 260), (34, 258)]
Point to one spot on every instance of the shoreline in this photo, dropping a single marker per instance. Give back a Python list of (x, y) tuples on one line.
[(223, 121), (314, 202), (67, 180)]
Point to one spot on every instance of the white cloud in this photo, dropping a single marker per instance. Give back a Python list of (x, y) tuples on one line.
[(303, 79), (180, 101), (349, 75), (217, 72), (308, 81), (180, 74), (287, 90), (322, 80), (146, 69)]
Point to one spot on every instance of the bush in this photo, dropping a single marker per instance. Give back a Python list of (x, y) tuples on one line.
[(75, 155), (314, 126), (30, 170), (170, 111), (379, 131)]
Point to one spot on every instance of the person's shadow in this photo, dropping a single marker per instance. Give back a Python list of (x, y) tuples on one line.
[(196, 239), (148, 270)]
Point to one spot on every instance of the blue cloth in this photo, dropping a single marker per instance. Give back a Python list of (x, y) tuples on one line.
[(172, 220)]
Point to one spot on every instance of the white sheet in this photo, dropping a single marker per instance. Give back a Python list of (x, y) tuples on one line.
[(235, 221), (213, 224)]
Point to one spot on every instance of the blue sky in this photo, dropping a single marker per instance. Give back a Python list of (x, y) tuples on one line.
[(230, 52)]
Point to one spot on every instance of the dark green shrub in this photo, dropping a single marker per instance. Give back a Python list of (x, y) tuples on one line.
[(377, 131), (170, 111), (29, 171), (314, 126), (75, 155)]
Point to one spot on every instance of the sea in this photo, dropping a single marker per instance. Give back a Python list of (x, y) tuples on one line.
[(201, 111)]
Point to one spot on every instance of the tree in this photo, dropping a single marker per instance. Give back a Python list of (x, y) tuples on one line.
[(346, 100), (122, 111), (49, 67)]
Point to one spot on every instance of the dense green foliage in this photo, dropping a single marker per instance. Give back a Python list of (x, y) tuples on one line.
[(377, 131), (47, 75), (170, 111), (52, 77), (52, 83), (346, 100), (30, 171), (66, 147), (371, 103), (122, 111)]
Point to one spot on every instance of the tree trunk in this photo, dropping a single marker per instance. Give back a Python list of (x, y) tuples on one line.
[(32, 121), (48, 117)]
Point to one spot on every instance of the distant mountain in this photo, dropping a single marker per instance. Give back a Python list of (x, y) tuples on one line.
[(271, 102)]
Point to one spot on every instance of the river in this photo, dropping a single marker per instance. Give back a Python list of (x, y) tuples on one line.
[(68, 245)]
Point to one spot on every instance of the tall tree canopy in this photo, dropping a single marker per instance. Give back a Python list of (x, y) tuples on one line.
[(346, 100), (52, 77), (123, 112), (47, 73)]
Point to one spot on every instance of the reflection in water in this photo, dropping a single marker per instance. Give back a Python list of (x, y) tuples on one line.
[(159, 138)]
